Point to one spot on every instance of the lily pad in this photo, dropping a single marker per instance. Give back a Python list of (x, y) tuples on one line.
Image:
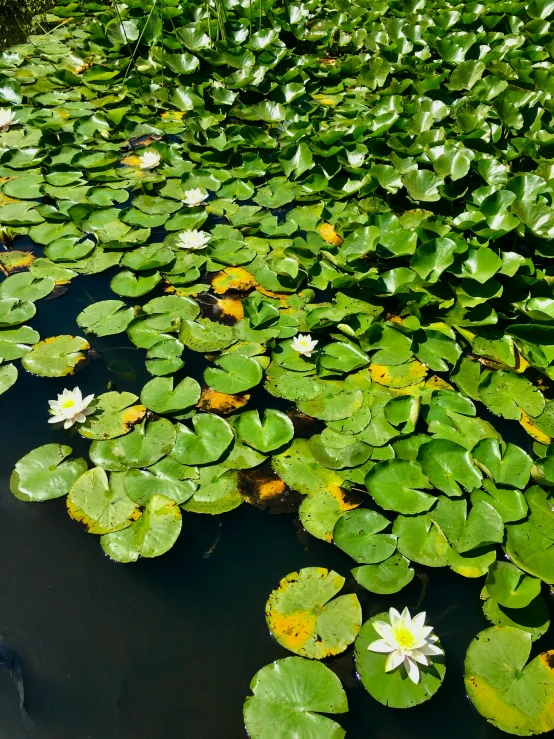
[(152, 535), (511, 587), (236, 374), (357, 533), (289, 697), (57, 356), (275, 430), (114, 416), (8, 377), (105, 318), (303, 618), (387, 577), (101, 504), (46, 473), (394, 689), (160, 396), (513, 696), (211, 437), (144, 446), (398, 485)]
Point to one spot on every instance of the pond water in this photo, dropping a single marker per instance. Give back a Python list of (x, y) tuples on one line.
[(166, 648)]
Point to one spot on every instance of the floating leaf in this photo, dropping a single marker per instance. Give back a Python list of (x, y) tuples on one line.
[(511, 587), (513, 696), (152, 535), (303, 618), (394, 689), (275, 430), (160, 396), (386, 578), (101, 504), (356, 533), (46, 473), (105, 318), (56, 356), (206, 444), (289, 696)]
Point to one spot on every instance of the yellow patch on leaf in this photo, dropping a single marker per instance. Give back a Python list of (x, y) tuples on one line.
[(437, 383), (174, 115), (131, 416), (15, 261), (328, 234), (532, 430), (403, 375), (131, 161), (293, 629), (230, 308), (221, 403), (233, 278)]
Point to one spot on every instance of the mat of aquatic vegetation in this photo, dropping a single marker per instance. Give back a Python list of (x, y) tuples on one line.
[(347, 207)]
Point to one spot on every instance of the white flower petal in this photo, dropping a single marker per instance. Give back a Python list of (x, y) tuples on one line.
[(412, 669), (381, 646), (394, 660), (419, 657), (431, 649)]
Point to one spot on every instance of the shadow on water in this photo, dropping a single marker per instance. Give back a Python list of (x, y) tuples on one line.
[(166, 648)]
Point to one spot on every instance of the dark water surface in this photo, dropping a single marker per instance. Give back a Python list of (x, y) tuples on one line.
[(166, 648)]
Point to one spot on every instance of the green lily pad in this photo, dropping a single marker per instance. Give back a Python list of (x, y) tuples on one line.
[(289, 697), (448, 465), (421, 540), (394, 689), (8, 377), (14, 311), (114, 416), (387, 577), (25, 286), (303, 618), (356, 533), (57, 356), (397, 485), (217, 492), (534, 618), (160, 396), (511, 587), (211, 437), (204, 335), (105, 318), (298, 468), (236, 374), (273, 432), (129, 285), (144, 446), (46, 473), (155, 532), (101, 504), (15, 343), (513, 696)]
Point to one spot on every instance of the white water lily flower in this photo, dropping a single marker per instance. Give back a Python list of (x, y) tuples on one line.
[(70, 408), (355, 159), (193, 239), (7, 118), (193, 197), (304, 344), (149, 160), (407, 640)]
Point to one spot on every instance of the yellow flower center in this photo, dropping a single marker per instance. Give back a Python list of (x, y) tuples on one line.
[(69, 403), (404, 637)]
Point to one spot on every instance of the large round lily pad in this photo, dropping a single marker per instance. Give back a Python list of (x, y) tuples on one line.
[(511, 587), (153, 534), (211, 437), (101, 504), (386, 577), (46, 473), (357, 533), (114, 416), (289, 697), (56, 356), (305, 618), (144, 446), (394, 689), (513, 696), (274, 431), (159, 395)]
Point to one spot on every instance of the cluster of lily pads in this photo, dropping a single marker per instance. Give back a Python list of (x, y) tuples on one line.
[(347, 208)]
